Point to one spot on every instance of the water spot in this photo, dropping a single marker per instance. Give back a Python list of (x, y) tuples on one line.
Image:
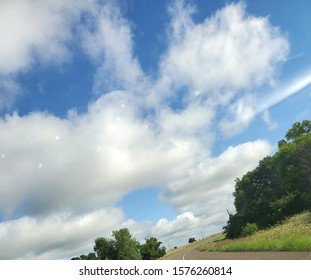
[(201, 165), (197, 92), (123, 106), (40, 165), (2, 155), (56, 137), (146, 125), (99, 148)]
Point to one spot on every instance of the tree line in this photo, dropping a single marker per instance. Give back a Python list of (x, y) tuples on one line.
[(278, 187), (124, 246)]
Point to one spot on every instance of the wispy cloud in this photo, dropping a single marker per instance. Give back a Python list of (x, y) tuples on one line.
[(267, 119), (34, 32), (229, 52), (107, 38)]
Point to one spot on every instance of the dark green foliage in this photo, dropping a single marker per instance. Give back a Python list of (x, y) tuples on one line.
[(233, 228), (278, 187), (124, 247), (90, 256), (151, 250), (191, 240), (298, 129), (105, 249)]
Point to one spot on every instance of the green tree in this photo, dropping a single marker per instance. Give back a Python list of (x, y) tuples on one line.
[(278, 187), (234, 225), (298, 129), (152, 249), (105, 249), (191, 240), (126, 246), (90, 256), (123, 247)]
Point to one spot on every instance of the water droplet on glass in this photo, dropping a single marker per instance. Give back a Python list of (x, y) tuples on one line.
[(197, 92), (56, 137), (40, 165), (146, 125), (99, 148)]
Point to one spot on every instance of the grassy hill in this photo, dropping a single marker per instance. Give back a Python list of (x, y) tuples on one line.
[(197, 244), (294, 234)]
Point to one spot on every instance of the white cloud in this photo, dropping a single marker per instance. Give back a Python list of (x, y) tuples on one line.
[(164, 228), (225, 59), (239, 114), (207, 189), (267, 119), (171, 233), (31, 29), (55, 236), (202, 196), (34, 32), (107, 38), (98, 158), (229, 51), (9, 91)]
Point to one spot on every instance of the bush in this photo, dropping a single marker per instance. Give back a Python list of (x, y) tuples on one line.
[(249, 229), (191, 240)]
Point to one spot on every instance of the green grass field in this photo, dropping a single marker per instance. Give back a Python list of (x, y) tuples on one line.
[(292, 235)]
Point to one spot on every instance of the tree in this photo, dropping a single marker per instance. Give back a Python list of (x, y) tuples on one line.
[(123, 247), (278, 187), (151, 250), (126, 246), (105, 249), (191, 240), (298, 129), (90, 256)]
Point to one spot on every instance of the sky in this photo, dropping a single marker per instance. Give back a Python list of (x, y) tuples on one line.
[(139, 114)]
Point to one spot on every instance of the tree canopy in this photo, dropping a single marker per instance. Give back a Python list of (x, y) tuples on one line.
[(152, 249), (124, 246), (278, 187)]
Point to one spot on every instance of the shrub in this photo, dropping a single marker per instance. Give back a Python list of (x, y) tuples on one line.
[(249, 229)]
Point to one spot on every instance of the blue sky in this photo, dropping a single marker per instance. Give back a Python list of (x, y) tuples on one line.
[(139, 114)]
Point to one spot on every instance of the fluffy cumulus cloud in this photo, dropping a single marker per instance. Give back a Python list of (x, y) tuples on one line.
[(41, 239), (207, 187), (223, 58), (229, 51), (61, 178), (34, 31), (84, 161)]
